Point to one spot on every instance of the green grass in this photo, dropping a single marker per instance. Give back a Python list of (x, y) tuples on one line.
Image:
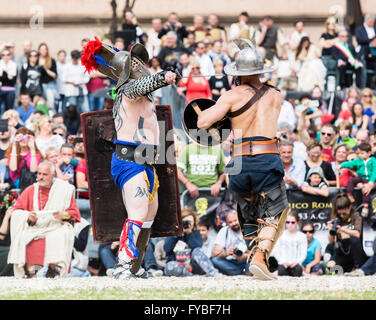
[(188, 294)]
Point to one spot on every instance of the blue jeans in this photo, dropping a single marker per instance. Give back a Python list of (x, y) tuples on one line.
[(230, 267), (106, 255), (50, 94), (77, 273), (80, 101), (95, 103), (149, 258), (369, 268), (7, 98)]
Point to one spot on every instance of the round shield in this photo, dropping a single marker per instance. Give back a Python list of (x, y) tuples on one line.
[(215, 135)]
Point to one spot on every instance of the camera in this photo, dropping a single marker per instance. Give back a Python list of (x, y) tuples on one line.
[(186, 224), (238, 252), (335, 223)]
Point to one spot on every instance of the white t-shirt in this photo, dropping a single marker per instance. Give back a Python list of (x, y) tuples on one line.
[(55, 141), (227, 238), (291, 248)]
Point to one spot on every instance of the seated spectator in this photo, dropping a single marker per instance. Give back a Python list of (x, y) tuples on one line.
[(368, 268), (170, 51), (314, 151), (184, 64), (340, 155), (199, 167), (44, 137), (345, 56), (285, 132), (65, 166), (52, 155), (327, 139), (60, 129), (352, 95), (80, 258), (184, 254), (287, 113), (198, 27), (216, 53), (26, 108), (6, 269), (359, 120), (4, 145), (368, 101), (107, 254), (23, 158), (311, 70), (308, 111), (208, 237), (150, 263), (362, 136), (344, 130), (345, 228), (316, 183), (206, 65), (365, 168), (291, 248), (312, 263), (219, 83), (57, 118), (49, 221), (8, 78), (230, 253), (294, 167), (296, 35), (194, 86)]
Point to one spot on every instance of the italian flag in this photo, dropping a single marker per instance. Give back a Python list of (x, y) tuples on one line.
[(346, 51)]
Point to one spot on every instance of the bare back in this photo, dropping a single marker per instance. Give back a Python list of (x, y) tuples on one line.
[(261, 118)]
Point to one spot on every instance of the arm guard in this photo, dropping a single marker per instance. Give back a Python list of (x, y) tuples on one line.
[(143, 86)]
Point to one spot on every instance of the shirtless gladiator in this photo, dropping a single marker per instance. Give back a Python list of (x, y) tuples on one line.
[(253, 108), (137, 138)]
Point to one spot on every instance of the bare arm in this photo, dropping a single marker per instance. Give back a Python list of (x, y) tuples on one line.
[(215, 113), (81, 181), (304, 135)]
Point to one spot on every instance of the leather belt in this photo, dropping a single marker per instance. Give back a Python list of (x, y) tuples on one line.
[(141, 154), (253, 148)]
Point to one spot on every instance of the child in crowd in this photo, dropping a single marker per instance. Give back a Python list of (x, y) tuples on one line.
[(316, 183), (291, 248), (365, 168), (344, 129)]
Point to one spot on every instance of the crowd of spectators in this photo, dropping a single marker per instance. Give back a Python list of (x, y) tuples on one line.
[(326, 132)]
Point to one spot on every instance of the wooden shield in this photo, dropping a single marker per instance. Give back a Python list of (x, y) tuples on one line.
[(106, 204)]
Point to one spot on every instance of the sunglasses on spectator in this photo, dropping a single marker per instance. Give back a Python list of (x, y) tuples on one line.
[(367, 96), (310, 231), (60, 134), (197, 68), (292, 222), (327, 134)]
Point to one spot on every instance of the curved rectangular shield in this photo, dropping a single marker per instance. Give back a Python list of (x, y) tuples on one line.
[(106, 204)]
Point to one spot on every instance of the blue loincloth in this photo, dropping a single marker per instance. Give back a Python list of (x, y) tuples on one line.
[(122, 171), (254, 173)]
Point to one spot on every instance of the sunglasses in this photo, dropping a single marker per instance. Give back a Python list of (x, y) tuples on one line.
[(309, 231), (60, 134), (367, 96), (326, 134), (292, 222), (195, 68)]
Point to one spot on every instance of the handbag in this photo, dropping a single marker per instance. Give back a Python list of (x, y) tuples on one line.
[(27, 177)]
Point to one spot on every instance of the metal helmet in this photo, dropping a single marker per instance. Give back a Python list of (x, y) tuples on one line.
[(248, 61)]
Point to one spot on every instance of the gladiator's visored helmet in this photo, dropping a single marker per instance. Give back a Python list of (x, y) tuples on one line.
[(248, 61), (118, 65)]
